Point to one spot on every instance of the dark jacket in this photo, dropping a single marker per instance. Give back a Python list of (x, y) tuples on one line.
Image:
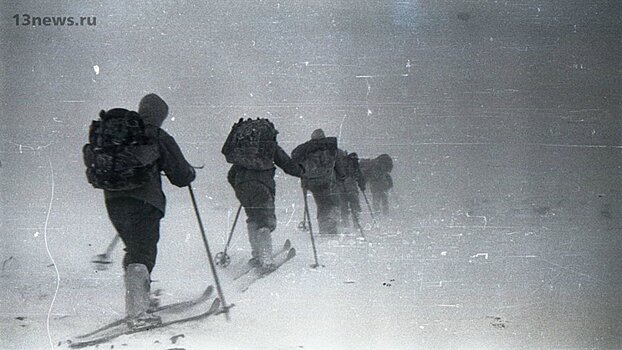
[(238, 174), (301, 152), (153, 110)]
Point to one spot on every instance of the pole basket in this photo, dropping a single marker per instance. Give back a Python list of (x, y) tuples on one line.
[(222, 259)]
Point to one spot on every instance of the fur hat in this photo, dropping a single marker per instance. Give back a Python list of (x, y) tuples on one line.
[(153, 109), (317, 134)]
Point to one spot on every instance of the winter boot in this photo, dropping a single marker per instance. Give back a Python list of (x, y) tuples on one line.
[(253, 239), (154, 300), (264, 241), (255, 260), (137, 301)]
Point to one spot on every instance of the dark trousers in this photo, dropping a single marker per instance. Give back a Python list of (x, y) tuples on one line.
[(138, 225), (258, 203), (381, 201), (349, 202), (328, 204)]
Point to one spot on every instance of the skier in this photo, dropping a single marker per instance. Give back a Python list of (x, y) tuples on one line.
[(376, 173), (349, 194), (253, 150), (136, 213), (322, 171)]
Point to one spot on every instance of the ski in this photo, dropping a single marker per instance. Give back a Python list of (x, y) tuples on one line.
[(126, 331), (254, 274), (247, 268), (169, 308), (184, 305)]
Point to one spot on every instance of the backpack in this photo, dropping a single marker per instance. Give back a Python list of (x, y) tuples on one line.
[(122, 152), (367, 169), (319, 162), (384, 163), (251, 144)]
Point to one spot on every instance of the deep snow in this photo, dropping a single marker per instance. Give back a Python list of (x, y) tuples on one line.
[(522, 270), (503, 119)]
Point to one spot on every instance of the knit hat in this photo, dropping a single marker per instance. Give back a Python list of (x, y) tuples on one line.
[(317, 134), (153, 109)]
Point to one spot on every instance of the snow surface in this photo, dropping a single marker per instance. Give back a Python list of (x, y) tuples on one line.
[(529, 269), (503, 119)]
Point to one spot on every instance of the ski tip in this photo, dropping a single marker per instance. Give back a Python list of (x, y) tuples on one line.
[(215, 306), (291, 253), (287, 244), (209, 290)]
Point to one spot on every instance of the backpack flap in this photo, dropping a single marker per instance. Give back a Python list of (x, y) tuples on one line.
[(120, 154), (318, 157), (251, 144)]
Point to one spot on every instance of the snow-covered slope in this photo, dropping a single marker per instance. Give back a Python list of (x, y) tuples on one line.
[(502, 117), (520, 268)]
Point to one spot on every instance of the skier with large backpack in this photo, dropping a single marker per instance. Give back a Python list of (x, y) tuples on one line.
[(322, 171), (124, 157), (252, 149)]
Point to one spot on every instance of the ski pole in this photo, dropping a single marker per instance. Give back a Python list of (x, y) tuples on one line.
[(304, 192), (303, 224), (209, 254), (112, 245), (369, 207), (105, 257), (222, 258)]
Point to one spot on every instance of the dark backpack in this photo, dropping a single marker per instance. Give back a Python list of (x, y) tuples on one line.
[(384, 162), (318, 159), (251, 144), (122, 152), (367, 169)]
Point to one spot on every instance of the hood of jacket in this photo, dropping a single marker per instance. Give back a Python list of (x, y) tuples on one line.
[(153, 109)]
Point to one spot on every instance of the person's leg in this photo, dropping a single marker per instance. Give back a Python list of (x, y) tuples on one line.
[(332, 219), (252, 238), (243, 193), (325, 217), (385, 203), (258, 202), (376, 200), (327, 200), (344, 207), (138, 225)]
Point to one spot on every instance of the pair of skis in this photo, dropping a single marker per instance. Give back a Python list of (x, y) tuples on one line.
[(119, 327), (250, 275)]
